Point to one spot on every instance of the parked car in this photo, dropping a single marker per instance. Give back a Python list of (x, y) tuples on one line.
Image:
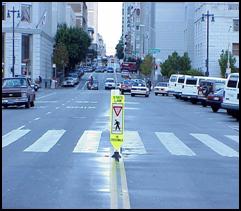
[(68, 81), (161, 88), (215, 99), (75, 77), (208, 86), (110, 83), (99, 69), (17, 91), (139, 89), (178, 86), (126, 86), (231, 95), (94, 86), (110, 70)]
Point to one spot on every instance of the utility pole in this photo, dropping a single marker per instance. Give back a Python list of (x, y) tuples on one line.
[(207, 15), (13, 12)]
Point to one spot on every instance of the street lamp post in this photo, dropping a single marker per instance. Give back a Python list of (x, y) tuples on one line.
[(228, 63), (207, 15), (13, 11)]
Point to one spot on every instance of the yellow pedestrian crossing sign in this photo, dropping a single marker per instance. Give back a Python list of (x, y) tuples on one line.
[(117, 119)]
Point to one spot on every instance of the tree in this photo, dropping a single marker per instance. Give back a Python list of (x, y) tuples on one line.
[(176, 64), (194, 72), (120, 49), (147, 65), (223, 61), (76, 41), (60, 56)]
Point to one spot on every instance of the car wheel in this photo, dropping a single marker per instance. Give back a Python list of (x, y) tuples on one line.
[(156, 94), (5, 106), (215, 108), (204, 104), (229, 112), (146, 95), (27, 105), (166, 94), (32, 104), (132, 95), (193, 101)]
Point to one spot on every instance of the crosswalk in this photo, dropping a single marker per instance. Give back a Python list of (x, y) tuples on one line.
[(90, 142)]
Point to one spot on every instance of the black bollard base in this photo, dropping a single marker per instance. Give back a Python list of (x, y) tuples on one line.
[(116, 155)]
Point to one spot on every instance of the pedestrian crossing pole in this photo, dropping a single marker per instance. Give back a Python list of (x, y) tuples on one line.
[(117, 122)]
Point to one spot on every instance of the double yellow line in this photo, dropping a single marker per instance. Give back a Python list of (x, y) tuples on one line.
[(118, 185)]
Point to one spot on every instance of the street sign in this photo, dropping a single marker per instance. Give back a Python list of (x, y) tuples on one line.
[(117, 119), (154, 50)]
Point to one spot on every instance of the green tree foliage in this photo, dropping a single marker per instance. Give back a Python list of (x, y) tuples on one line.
[(194, 72), (60, 56), (147, 65), (223, 61), (176, 64), (76, 41), (120, 49)]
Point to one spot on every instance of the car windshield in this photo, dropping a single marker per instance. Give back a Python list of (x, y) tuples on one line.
[(138, 84), (110, 80), (68, 78), (12, 83), (162, 84)]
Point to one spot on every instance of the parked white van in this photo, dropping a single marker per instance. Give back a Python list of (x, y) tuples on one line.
[(173, 83), (179, 85), (190, 88), (231, 95)]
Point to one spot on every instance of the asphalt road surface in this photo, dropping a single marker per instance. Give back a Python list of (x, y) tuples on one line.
[(175, 154)]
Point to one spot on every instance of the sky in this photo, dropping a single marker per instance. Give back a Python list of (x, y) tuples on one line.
[(109, 24)]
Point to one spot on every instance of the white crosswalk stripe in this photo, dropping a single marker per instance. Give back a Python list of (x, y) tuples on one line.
[(173, 144), (234, 138), (46, 142), (215, 145), (13, 136), (132, 143), (88, 142)]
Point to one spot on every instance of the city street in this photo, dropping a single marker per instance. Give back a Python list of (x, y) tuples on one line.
[(57, 154)]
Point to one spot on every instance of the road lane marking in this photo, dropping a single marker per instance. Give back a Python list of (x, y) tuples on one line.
[(48, 113), (234, 138), (78, 101), (173, 144), (84, 85), (46, 141), (20, 127), (37, 118), (132, 103), (13, 136), (113, 185), (57, 108), (45, 96), (215, 145), (124, 187), (82, 107), (88, 142), (132, 143), (42, 101), (131, 108)]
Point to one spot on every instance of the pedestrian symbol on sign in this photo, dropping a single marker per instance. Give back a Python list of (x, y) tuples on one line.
[(117, 123)]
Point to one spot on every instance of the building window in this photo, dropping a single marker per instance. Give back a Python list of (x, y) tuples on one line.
[(3, 45), (235, 49), (233, 6), (26, 13), (3, 11), (25, 53), (235, 25)]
